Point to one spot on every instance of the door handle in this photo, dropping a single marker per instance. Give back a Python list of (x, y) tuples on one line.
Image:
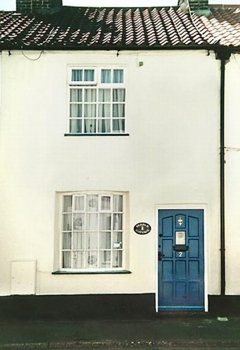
[(160, 255)]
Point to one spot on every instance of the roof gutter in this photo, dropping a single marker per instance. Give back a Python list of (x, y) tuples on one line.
[(209, 47)]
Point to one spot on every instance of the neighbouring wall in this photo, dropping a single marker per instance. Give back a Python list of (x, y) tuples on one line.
[(232, 166)]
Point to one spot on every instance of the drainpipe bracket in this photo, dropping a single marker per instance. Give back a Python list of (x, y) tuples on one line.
[(223, 53)]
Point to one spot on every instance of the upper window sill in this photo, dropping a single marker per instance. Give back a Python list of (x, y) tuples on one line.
[(96, 135), (113, 272)]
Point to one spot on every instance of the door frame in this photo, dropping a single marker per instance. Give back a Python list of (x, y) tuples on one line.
[(205, 235)]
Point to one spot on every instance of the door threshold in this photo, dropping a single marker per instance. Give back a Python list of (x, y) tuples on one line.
[(181, 308)]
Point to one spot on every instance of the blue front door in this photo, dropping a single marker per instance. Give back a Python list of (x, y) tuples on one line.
[(180, 260)]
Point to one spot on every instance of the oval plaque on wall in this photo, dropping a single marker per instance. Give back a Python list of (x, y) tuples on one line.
[(142, 228)]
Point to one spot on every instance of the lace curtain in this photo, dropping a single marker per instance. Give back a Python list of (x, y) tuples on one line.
[(92, 231)]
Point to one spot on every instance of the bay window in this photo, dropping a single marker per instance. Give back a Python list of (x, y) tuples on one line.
[(92, 235)]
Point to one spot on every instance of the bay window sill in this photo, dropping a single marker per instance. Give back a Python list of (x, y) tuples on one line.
[(81, 135), (113, 272)]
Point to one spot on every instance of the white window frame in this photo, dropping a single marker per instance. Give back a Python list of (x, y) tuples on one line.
[(113, 250), (83, 82), (97, 85)]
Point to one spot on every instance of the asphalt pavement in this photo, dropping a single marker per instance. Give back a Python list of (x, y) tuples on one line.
[(160, 332)]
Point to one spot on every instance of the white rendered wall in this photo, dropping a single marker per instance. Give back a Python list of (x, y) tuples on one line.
[(232, 166), (170, 157)]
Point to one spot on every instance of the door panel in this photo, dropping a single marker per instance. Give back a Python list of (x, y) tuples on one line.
[(180, 259)]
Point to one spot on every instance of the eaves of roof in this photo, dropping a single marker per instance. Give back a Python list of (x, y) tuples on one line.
[(121, 29)]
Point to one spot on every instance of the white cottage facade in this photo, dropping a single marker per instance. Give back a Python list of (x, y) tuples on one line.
[(110, 179)]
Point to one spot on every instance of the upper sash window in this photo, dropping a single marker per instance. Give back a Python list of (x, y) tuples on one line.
[(97, 101)]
